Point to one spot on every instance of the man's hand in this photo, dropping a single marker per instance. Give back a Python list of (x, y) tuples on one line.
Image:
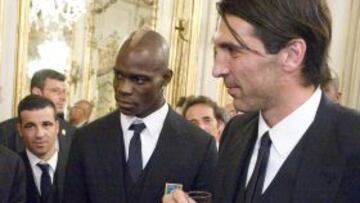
[(178, 196)]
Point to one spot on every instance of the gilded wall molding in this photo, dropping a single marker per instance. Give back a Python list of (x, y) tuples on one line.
[(21, 51), (1, 33), (184, 48), (102, 43)]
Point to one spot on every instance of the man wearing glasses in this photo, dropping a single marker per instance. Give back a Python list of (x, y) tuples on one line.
[(47, 83)]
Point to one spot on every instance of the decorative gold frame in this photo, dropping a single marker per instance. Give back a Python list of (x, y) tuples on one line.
[(184, 43), (87, 72), (1, 30), (22, 37)]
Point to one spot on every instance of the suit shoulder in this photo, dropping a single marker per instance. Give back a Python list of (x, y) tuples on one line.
[(349, 114), (70, 129), (241, 121), (9, 157), (97, 126), (185, 127), (239, 125), (10, 123)]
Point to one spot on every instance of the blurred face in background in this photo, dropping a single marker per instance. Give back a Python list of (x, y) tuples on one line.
[(203, 116), (55, 90)]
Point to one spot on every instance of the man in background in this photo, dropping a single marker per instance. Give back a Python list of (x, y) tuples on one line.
[(50, 84), (80, 113), (46, 151), (206, 114), (144, 148)]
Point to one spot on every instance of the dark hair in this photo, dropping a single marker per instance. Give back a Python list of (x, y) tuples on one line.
[(276, 22), (35, 102), (39, 78), (181, 102), (207, 101)]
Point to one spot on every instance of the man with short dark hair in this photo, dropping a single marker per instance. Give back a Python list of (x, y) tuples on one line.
[(131, 154), (50, 84), (292, 144), (46, 151), (206, 114)]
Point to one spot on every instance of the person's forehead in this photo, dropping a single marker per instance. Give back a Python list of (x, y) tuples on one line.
[(50, 82), (239, 25), (38, 115), (200, 107)]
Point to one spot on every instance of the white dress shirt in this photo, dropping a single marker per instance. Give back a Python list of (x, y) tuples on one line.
[(149, 136), (284, 136), (34, 160)]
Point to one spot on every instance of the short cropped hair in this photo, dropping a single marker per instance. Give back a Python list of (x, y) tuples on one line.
[(35, 102), (206, 101), (39, 78)]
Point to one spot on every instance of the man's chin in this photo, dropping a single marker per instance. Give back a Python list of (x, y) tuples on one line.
[(126, 111)]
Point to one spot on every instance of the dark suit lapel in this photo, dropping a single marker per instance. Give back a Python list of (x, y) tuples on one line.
[(32, 193), (321, 169), (237, 160), (112, 156), (170, 146), (64, 147)]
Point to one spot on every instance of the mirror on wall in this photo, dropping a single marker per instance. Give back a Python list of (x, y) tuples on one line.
[(79, 38)]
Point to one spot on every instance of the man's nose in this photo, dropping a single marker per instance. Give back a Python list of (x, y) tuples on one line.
[(221, 65), (40, 132), (125, 86)]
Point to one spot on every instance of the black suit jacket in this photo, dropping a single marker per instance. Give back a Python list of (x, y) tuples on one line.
[(184, 154), (33, 195), (12, 177), (11, 138), (330, 162)]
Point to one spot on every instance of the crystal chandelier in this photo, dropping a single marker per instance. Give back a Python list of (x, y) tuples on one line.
[(58, 13)]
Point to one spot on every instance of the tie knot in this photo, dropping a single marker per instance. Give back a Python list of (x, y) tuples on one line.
[(265, 140), (44, 167), (138, 127)]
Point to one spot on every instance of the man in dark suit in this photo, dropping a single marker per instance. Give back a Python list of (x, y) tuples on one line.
[(46, 153), (12, 177), (112, 160), (293, 144), (50, 84)]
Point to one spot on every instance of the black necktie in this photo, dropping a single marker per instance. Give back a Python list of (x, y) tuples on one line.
[(134, 162), (255, 185), (45, 183)]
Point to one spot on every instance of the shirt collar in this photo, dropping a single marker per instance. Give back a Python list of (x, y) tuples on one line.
[(34, 160), (287, 133), (153, 122)]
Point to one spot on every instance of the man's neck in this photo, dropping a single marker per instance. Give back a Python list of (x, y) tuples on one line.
[(286, 103)]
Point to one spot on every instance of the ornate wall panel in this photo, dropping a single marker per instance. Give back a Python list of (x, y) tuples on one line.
[(21, 82), (184, 48), (109, 25)]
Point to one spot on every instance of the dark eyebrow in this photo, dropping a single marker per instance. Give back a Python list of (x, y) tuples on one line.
[(231, 45), (144, 76)]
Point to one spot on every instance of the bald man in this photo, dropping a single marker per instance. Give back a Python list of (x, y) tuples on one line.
[(80, 113), (132, 153)]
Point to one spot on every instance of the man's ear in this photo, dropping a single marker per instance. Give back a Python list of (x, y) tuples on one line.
[(167, 77), (36, 91), (57, 123), (18, 127), (293, 54)]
